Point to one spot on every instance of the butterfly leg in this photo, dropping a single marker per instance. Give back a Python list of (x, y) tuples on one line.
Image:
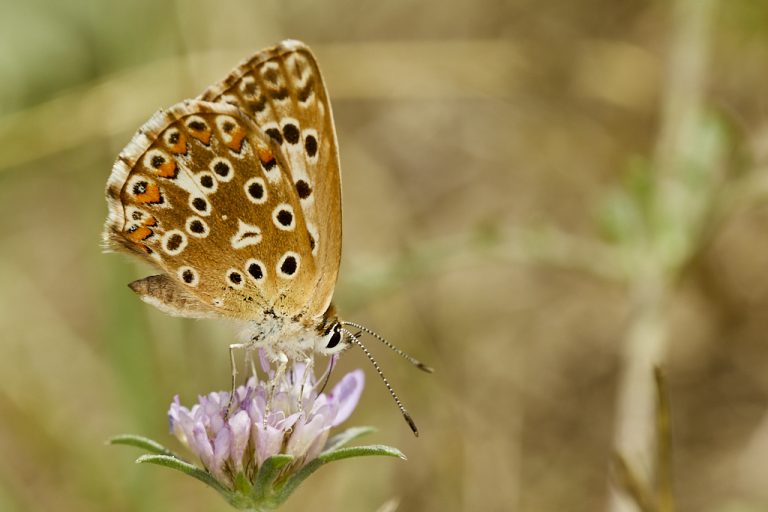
[(232, 349), (309, 364), (249, 361), (282, 364)]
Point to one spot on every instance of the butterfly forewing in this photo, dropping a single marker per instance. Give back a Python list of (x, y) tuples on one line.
[(204, 194), (282, 89)]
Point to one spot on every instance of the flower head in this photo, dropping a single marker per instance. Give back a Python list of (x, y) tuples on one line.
[(296, 422)]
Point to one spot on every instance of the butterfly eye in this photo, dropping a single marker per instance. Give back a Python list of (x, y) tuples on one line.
[(335, 339), (331, 343)]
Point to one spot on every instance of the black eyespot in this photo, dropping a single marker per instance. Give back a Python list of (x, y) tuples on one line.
[(284, 217), (136, 215), (259, 105), (174, 242), (206, 181), (310, 144), (140, 187), (303, 188), (279, 94), (235, 277), (289, 266), (157, 160), (198, 126), (174, 138), (256, 190), (196, 226), (271, 75), (222, 169), (199, 204), (188, 276), (255, 270), (275, 134), (335, 339), (291, 133), (228, 126)]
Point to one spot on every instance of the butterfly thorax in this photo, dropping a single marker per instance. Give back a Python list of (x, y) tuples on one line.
[(297, 338)]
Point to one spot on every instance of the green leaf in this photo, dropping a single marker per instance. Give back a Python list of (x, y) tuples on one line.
[(187, 468), (268, 472), (329, 456), (345, 437), (142, 442)]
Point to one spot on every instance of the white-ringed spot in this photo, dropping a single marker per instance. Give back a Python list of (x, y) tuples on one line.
[(291, 132), (197, 227), (235, 278), (288, 265), (256, 270), (199, 129), (207, 181), (256, 190), (248, 87), (231, 132), (174, 242), (161, 163), (247, 234), (200, 205), (176, 141), (222, 169), (311, 144), (283, 217), (188, 275)]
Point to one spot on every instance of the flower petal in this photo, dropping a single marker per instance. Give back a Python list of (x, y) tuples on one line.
[(240, 426), (346, 394)]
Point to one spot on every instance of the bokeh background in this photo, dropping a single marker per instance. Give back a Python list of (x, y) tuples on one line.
[(543, 200)]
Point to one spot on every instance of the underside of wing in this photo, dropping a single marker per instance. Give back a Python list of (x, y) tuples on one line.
[(283, 91), (203, 194)]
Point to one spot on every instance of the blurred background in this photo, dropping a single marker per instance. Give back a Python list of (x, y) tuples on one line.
[(543, 200)]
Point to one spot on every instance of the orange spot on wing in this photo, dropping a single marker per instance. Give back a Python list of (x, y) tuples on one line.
[(180, 147), (238, 134), (203, 136), (150, 221), (139, 234), (167, 170), (265, 155), (152, 195)]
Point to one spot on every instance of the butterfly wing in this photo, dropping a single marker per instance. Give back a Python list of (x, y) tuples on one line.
[(282, 90), (203, 194)]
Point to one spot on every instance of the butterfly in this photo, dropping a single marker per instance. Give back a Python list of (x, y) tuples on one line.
[(236, 197)]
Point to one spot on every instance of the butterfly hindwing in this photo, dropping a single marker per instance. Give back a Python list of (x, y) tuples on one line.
[(202, 193), (283, 91)]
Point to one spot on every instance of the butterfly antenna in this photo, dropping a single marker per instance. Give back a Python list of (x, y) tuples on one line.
[(356, 340), (415, 362)]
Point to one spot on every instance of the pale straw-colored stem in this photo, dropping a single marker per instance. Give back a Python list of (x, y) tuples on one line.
[(647, 338)]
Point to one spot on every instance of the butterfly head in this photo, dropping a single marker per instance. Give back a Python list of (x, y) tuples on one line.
[(331, 339)]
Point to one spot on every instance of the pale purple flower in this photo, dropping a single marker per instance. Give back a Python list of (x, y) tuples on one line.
[(242, 441)]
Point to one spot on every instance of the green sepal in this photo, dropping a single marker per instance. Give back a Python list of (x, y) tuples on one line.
[(343, 438), (144, 443), (268, 472), (329, 456), (189, 469)]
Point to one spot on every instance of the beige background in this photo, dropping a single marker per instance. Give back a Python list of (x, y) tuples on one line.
[(541, 199)]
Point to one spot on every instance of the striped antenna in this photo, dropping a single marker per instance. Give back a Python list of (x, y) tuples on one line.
[(356, 340)]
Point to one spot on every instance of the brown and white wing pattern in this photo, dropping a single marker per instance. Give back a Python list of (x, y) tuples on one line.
[(203, 194), (282, 90)]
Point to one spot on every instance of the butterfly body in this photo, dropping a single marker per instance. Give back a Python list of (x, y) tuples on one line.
[(236, 197)]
